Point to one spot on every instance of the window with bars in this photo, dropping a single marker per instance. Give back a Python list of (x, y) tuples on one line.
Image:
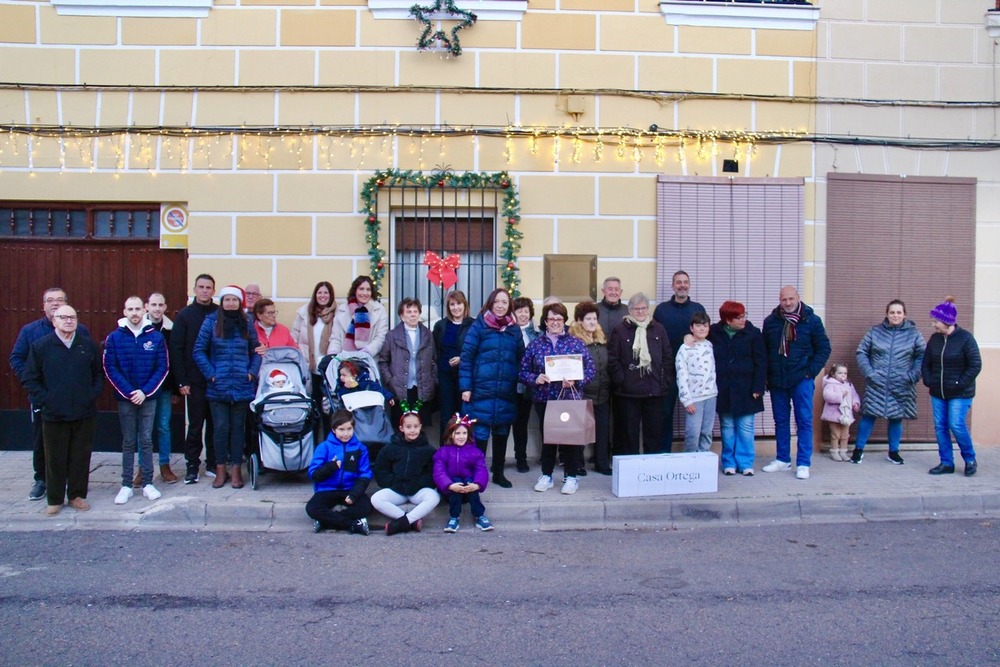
[(739, 239), (106, 222)]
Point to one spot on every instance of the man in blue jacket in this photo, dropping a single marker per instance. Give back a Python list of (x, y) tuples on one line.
[(797, 350), (52, 299), (135, 361)]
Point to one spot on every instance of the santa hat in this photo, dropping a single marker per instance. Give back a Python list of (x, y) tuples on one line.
[(275, 376), (233, 290)]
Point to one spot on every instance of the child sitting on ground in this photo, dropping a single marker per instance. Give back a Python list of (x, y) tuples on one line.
[(340, 473), (404, 471), (840, 402), (460, 473), (696, 388)]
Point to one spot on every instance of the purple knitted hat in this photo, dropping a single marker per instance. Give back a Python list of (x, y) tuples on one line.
[(945, 312)]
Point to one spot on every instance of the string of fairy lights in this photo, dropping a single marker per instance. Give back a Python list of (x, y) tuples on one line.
[(70, 148)]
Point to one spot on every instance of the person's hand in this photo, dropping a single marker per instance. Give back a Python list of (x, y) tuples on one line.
[(453, 361), (456, 487), (185, 390), (337, 461), (348, 500), (466, 396), (690, 409), (261, 349), (392, 402), (857, 407), (755, 395), (137, 397), (542, 378), (568, 384), (689, 340), (471, 487), (250, 378)]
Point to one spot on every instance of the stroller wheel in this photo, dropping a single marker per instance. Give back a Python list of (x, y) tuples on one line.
[(253, 467)]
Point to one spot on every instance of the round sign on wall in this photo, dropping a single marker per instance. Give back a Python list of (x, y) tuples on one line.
[(174, 218)]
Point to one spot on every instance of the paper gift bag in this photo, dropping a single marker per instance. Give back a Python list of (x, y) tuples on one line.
[(569, 422)]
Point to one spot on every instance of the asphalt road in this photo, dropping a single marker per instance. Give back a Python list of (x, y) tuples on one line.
[(902, 593)]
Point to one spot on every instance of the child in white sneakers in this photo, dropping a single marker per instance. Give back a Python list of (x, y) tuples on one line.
[(840, 403), (696, 388), (460, 473), (403, 469)]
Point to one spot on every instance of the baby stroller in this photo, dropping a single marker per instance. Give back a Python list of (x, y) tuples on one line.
[(371, 423), (284, 414)]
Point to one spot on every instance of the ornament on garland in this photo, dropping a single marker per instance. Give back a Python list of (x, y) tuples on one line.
[(429, 37), (509, 210)]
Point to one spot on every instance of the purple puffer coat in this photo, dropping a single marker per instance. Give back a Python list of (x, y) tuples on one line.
[(452, 462)]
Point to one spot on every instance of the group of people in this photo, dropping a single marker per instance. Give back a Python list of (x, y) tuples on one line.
[(487, 374)]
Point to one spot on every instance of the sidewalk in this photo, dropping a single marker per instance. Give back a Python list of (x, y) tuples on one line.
[(837, 492)]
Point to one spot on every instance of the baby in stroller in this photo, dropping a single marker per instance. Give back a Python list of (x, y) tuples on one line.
[(353, 377), (351, 381), (278, 381)]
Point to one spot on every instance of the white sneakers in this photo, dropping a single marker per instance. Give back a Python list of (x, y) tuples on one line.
[(802, 472), (570, 486), (544, 483), (777, 466), (123, 495)]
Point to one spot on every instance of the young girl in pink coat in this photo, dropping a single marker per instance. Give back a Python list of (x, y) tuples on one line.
[(840, 403)]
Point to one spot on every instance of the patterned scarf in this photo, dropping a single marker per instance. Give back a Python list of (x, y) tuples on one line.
[(359, 329), (640, 347), (788, 333), (493, 322)]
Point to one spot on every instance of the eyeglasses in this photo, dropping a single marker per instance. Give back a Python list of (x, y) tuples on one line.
[(253, 294), (555, 319), (66, 318), (639, 309), (56, 299)]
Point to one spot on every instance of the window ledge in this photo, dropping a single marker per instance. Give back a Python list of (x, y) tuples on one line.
[(993, 23), (169, 8), (485, 10), (740, 15)]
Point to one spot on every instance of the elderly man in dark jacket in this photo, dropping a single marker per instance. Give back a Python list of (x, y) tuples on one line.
[(63, 377), (797, 350), (641, 366)]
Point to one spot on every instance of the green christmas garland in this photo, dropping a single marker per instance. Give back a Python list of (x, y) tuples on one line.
[(511, 211), (429, 36)]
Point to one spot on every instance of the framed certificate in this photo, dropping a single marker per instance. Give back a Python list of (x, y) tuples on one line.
[(560, 367)]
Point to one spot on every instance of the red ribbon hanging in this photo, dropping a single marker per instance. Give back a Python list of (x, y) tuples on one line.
[(442, 271)]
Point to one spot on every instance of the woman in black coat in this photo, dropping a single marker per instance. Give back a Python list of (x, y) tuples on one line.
[(740, 373), (449, 335)]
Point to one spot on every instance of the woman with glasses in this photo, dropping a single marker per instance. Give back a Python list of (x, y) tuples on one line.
[(269, 332), (642, 370)]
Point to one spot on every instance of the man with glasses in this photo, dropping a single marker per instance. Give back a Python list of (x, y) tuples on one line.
[(52, 299), (63, 377), (250, 297)]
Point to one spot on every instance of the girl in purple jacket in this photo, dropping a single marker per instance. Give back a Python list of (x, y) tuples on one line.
[(460, 473)]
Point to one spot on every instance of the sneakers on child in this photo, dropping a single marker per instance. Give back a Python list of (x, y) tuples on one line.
[(544, 483), (151, 492), (857, 455), (452, 526), (570, 486), (748, 472), (729, 471), (482, 523), (894, 457), (360, 527), (123, 495), (777, 466), (802, 472), (318, 527)]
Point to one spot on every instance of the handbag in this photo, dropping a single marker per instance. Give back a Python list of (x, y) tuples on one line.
[(569, 422)]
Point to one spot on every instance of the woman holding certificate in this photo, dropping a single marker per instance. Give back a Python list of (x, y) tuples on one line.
[(556, 365)]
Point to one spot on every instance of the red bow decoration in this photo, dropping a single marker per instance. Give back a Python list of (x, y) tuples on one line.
[(442, 271)]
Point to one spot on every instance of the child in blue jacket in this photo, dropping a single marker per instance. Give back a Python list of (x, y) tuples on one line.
[(340, 472)]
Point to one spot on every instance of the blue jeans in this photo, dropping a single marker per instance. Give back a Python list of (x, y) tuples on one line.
[(456, 500), (161, 426), (698, 426), (229, 419), (782, 400), (865, 432), (137, 428), (949, 420), (737, 441)]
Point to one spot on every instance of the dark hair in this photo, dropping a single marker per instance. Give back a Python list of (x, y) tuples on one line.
[(449, 432), (261, 304), (204, 276), (407, 302), (895, 302), (833, 368), (730, 310), (523, 302), (350, 366), (680, 272), (557, 308), (488, 305), (457, 296), (583, 308), (352, 291), (700, 317), (314, 307), (339, 418)]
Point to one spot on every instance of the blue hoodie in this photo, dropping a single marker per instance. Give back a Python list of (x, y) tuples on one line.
[(352, 475)]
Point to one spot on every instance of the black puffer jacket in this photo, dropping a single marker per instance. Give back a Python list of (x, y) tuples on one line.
[(628, 381), (405, 467), (951, 364)]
